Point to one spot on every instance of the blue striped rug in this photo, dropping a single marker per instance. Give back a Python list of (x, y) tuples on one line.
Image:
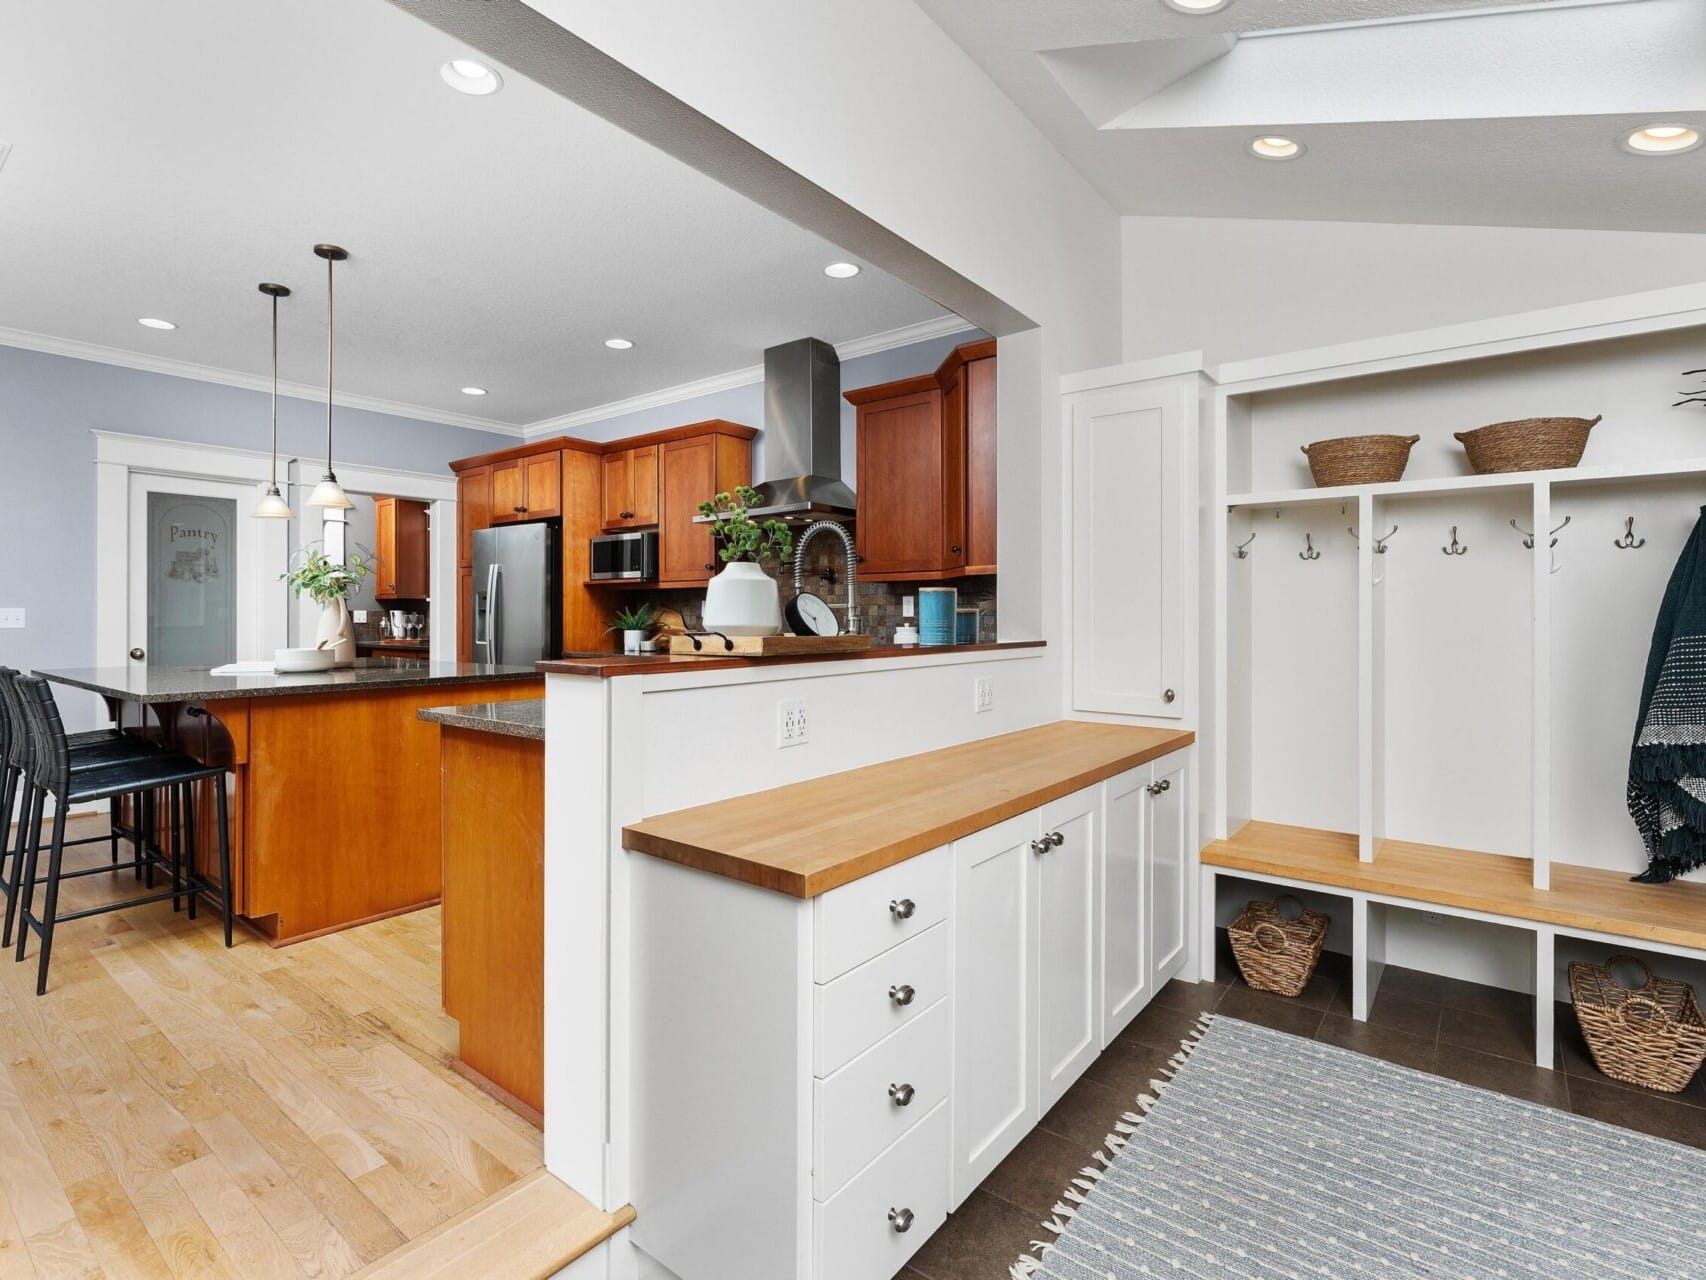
[(1267, 1155)]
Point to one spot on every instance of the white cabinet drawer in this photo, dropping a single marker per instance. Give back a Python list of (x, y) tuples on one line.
[(856, 1237), (871, 1102), (859, 1008), (868, 916)]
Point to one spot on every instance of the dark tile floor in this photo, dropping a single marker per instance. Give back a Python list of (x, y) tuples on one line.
[(1479, 1035)]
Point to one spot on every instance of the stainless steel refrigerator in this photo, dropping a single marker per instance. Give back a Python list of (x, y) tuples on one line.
[(518, 594)]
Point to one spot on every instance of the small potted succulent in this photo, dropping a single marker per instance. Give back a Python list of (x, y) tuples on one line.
[(743, 600), (635, 622), (330, 585)]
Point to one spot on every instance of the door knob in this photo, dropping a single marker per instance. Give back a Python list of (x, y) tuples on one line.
[(138, 654), (902, 1094), (903, 908), (902, 994)]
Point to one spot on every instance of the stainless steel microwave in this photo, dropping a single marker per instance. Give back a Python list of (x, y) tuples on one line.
[(629, 557)]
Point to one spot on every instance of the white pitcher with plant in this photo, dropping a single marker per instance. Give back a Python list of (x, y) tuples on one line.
[(330, 585), (743, 599)]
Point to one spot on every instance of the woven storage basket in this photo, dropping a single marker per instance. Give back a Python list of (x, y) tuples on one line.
[(1359, 459), (1653, 1036), (1526, 444), (1276, 954)]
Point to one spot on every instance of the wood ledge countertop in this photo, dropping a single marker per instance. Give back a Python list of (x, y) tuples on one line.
[(810, 837), (617, 664)]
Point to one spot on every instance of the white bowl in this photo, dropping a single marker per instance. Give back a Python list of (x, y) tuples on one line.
[(288, 661)]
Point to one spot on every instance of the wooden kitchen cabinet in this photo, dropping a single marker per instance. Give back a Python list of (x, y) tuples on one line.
[(926, 487), (527, 488), (693, 471), (401, 535), (473, 510), (631, 488)]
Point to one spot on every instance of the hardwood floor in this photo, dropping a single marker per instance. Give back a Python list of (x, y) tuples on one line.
[(171, 1108)]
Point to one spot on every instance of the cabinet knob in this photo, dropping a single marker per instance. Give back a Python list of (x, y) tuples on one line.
[(902, 994), (901, 1219), (710, 568), (954, 551), (1167, 695), (138, 654), (518, 510), (902, 908), (1040, 847), (902, 1094), (1055, 839), (1166, 784)]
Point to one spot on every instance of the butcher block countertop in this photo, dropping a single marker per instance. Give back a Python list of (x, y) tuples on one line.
[(810, 837)]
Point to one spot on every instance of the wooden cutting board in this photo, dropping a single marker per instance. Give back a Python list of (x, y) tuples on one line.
[(715, 646)]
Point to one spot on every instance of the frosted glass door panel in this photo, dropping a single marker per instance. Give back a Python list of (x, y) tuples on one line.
[(192, 580)]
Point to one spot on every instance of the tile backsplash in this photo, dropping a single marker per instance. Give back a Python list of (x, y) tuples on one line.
[(879, 602)]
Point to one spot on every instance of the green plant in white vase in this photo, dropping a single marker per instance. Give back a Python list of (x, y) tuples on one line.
[(330, 585), (743, 599), (635, 622)]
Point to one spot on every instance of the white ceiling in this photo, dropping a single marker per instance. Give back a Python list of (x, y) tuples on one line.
[(1424, 111), (168, 156)]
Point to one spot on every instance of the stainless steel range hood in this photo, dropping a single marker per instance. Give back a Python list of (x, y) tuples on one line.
[(802, 435)]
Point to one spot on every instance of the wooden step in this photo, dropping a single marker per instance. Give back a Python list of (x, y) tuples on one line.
[(1587, 898), (531, 1229)]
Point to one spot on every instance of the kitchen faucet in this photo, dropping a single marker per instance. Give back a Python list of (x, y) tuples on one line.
[(811, 531)]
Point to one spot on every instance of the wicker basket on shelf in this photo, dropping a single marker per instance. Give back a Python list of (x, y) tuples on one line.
[(1358, 459), (1274, 953), (1526, 444), (1652, 1035)]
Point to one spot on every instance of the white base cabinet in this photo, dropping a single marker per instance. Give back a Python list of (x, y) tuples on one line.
[(817, 1084)]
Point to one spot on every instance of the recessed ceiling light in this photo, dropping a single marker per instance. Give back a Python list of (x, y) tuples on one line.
[(466, 75), (151, 322), (618, 344), (1273, 146), (473, 391), (841, 270), (1662, 140), (1197, 7)]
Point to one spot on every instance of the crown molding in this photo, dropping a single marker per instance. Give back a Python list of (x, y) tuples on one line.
[(76, 350), (940, 327)]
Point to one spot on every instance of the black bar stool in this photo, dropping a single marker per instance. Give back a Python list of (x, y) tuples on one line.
[(93, 749), (51, 774)]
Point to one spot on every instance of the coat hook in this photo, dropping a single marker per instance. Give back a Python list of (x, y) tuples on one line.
[(1628, 542), (1309, 552), (1379, 543), (1456, 548), (1242, 553), (1528, 538)]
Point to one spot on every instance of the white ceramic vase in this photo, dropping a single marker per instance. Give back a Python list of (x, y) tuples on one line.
[(743, 600), (336, 632)]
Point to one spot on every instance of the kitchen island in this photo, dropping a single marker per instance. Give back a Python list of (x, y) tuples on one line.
[(332, 779)]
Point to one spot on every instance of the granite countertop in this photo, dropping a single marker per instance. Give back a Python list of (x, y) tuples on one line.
[(604, 665), (521, 719), (195, 684)]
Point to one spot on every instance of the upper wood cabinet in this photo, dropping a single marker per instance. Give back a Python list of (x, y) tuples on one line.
[(926, 483), (693, 471), (473, 510), (527, 488), (631, 488), (400, 532)]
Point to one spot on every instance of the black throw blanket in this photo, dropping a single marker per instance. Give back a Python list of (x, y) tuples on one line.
[(1667, 764)]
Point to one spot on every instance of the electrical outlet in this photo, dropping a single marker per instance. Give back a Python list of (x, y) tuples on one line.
[(983, 694), (11, 619), (791, 724)]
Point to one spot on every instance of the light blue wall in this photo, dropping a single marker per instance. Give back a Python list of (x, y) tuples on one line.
[(745, 405), (48, 406)]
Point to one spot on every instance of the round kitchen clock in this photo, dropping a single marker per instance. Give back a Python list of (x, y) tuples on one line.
[(810, 615)]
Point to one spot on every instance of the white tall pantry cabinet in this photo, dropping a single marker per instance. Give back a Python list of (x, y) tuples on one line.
[(1132, 484)]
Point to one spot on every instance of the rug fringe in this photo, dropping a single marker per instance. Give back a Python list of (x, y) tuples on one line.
[(1124, 1128)]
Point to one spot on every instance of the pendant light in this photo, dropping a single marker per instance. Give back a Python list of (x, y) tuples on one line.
[(273, 506), (329, 493)]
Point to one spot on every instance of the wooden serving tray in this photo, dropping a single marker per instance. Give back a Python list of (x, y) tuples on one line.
[(711, 645)]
